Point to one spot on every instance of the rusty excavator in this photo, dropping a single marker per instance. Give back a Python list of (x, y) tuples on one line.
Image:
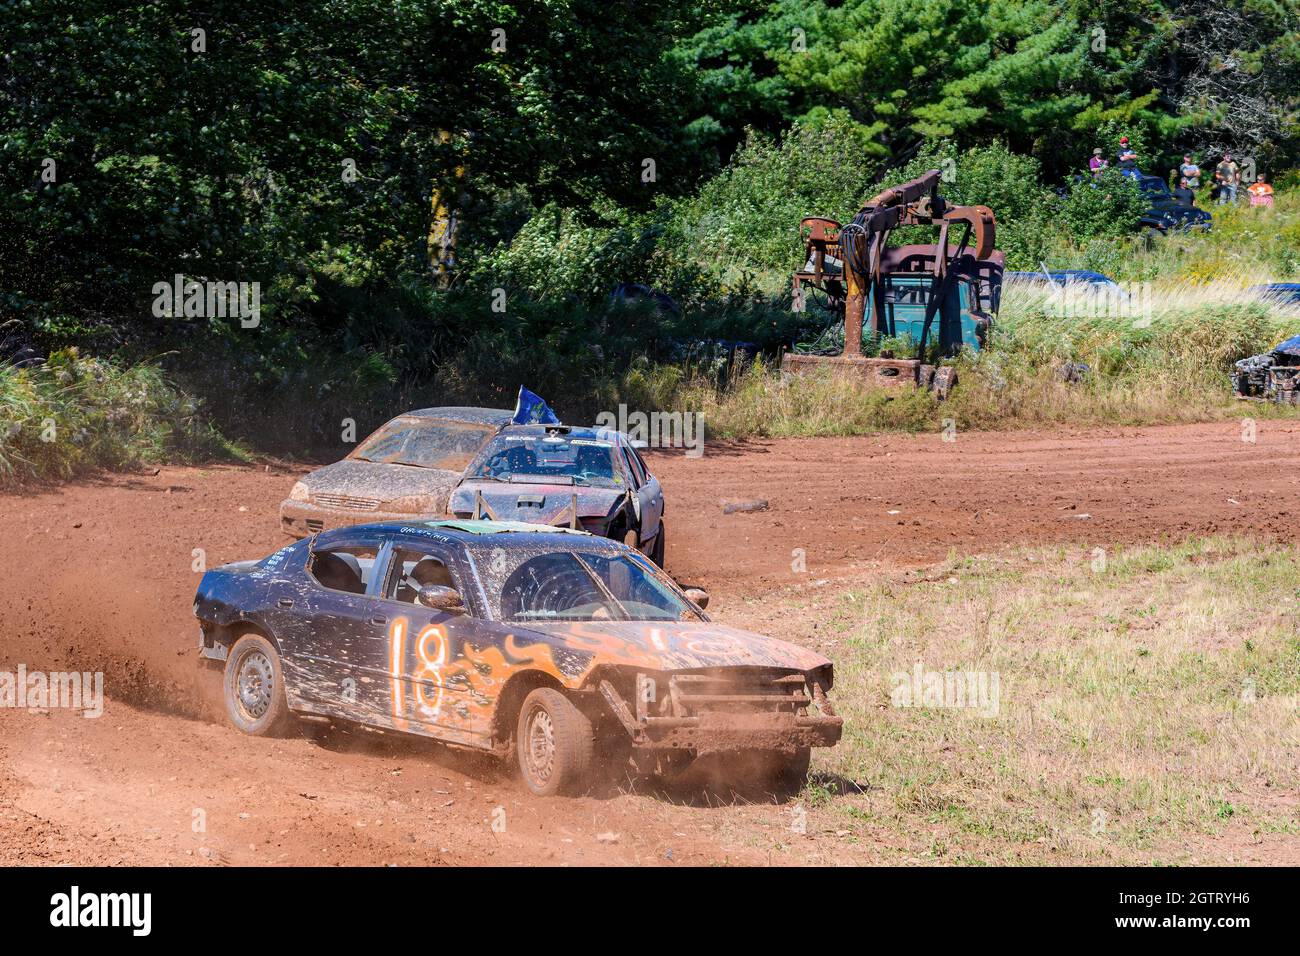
[(940, 297)]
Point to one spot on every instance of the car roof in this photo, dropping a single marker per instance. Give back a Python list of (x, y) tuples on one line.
[(462, 413), (469, 531), (571, 431), (1084, 274)]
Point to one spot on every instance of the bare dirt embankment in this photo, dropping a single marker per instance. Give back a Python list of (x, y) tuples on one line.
[(99, 575)]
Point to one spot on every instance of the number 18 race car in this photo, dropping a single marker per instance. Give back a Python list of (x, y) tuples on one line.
[(574, 652)]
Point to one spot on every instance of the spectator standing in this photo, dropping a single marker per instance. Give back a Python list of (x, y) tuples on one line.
[(1261, 193), (1189, 171), (1184, 194), (1228, 176), (1128, 157), (1097, 163)]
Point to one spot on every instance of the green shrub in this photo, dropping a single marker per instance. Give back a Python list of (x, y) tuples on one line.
[(1107, 207), (75, 414), (743, 226)]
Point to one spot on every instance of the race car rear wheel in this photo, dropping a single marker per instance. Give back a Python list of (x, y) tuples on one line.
[(254, 688), (554, 743)]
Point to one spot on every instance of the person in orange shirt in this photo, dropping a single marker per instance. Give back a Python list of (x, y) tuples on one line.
[(1261, 193)]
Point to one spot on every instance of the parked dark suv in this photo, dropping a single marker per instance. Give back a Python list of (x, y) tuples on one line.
[(1166, 212)]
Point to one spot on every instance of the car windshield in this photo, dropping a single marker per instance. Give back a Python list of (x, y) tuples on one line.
[(565, 459), (524, 584), (433, 443)]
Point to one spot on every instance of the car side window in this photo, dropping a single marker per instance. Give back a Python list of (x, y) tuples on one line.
[(636, 456), (638, 477), (343, 569), (412, 569)]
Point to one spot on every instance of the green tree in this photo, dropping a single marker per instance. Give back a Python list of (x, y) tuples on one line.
[(1038, 74), (286, 141)]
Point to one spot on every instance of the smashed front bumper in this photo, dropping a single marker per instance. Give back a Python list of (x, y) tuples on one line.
[(724, 711)]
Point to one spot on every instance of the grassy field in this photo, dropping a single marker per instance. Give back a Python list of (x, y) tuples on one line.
[(1145, 707), (1259, 244), (1162, 357)]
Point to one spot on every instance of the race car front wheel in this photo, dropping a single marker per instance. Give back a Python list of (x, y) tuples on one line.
[(555, 743), (254, 688)]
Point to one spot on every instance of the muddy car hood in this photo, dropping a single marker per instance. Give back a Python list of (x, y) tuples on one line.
[(371, 479), (518, 501), (669, 646)]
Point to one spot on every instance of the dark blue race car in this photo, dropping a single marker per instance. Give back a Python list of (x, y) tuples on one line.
[(1283, 293), (568, 649), (1166, 213), (1059, 277)]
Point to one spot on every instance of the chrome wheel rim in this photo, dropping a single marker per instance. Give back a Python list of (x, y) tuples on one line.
[(254, 682), (540, 750)]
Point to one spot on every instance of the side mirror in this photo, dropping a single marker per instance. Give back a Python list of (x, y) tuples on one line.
[(441, 598), (699, 597)]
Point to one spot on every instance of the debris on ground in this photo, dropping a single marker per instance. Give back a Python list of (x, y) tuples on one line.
[(1273, 376)]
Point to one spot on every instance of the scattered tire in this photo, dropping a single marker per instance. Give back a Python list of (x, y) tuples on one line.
[(555, 743), (254, 688), (945, 380)]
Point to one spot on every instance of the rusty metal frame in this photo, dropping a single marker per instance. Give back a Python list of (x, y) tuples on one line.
[(859, 246)]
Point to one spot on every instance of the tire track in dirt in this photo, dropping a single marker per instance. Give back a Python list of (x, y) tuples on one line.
[(902, 501)]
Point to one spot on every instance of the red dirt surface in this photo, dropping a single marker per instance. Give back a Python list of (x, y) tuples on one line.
[(99, 575), (897, 501)]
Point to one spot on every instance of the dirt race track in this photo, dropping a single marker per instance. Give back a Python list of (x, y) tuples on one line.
[(98, 575)]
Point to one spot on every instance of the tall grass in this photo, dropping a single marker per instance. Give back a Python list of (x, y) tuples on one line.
[(74, 414), (1254, 242), (1168, 361)]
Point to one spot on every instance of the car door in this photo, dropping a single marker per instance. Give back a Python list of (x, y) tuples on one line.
[(432, 684), (333, 631), (650, 495)]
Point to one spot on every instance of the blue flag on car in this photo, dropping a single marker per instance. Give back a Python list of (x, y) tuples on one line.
[(532, 410)]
